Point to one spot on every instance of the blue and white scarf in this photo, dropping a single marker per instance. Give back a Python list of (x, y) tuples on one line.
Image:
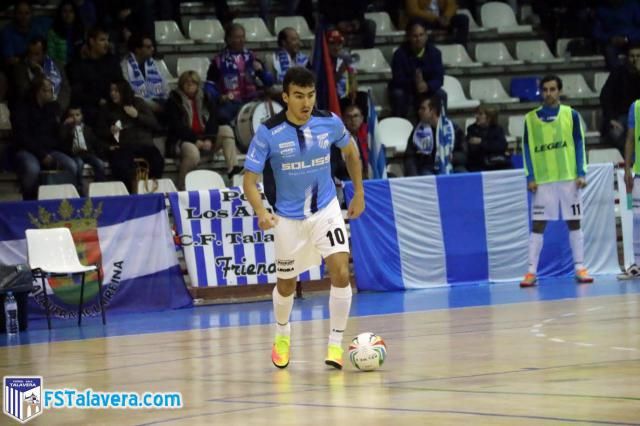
[(52, 73), (282, 62), (444, 139), (151, 87)]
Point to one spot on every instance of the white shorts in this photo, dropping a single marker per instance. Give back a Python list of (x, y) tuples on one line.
[(301, 244), (552, 198)]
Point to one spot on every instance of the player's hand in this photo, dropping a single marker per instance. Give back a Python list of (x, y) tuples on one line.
[(267, 220), (356, 206), (532, 186), (628, 180), (581, 182)]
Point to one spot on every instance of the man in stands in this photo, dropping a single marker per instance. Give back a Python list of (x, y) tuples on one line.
[(440, 15), (288, 55), (19, 31)]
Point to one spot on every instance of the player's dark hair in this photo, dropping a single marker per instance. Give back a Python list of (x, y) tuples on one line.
[(551, 77), (299, 76)]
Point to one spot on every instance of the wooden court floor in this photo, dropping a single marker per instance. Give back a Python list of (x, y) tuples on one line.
[(571, 361)]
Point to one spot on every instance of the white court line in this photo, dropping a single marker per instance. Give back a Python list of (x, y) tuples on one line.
[(541, 335), (584, 344), (595, 308), (555, 339), (568, 314), (619, 348), (549, 320)]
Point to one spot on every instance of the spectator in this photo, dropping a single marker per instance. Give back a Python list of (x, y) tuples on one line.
[(86, 11), (416, 70), (90, 74), (440, 15), (430, 148), (37, 63), (348, 19), (618, 93), (66, 35), (36, 122), (486, 143), (288, 55), (235, 72), (80, 140), (127, 123), (617, 24), (16, 34), (353, 118), (139, 68), (193, 130)]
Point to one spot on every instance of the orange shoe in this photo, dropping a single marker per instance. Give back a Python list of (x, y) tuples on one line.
[(529, 280), (280, 351), (583, 277)]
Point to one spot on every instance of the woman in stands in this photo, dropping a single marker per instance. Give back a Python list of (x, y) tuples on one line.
[(66, 35), (128, 124), (193, 128), (486, 143)]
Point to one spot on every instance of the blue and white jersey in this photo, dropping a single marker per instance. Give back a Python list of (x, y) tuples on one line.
[(300, 157)]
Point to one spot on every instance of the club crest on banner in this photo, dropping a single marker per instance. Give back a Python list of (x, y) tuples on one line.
[(22, 397)]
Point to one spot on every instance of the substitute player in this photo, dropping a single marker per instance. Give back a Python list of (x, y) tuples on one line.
[(308, 223), (555, 166)]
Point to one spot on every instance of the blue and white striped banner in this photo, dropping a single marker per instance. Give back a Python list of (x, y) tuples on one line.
[(222, 243), (466, 228)]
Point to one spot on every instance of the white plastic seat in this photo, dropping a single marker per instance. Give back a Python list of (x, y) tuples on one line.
[(384, 26), (393, 132), (255, 29), (57, 192), (575, 86), (473, 25), (163, 186), (489, 90), (501, 17), (163, 69), (515, 126), (206, 31), (197, 180), (468, 122), (535, 51), (561, 51), (456, 99), (199, 64), (455, 55), (168, 32), (52, 251), (605, 155), (107, 189), (495, 54), (371, 61), (599, 79), (298, 23)]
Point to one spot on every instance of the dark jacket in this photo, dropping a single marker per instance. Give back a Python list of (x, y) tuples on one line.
[(334, 11), (493, 144), (405, 63), (178, 123), (619, 91), (95, 145), (23, 76), (135, 131), (35, 128)]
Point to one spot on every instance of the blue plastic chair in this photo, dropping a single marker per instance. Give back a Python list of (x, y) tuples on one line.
[(527, 89)]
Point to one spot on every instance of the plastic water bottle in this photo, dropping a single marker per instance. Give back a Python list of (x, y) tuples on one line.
[(11, 314)]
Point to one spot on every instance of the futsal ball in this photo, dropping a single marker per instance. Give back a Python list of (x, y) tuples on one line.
[(367, 351)]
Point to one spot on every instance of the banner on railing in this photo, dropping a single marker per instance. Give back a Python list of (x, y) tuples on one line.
[(474, 227), (222, 243), (129, 235)]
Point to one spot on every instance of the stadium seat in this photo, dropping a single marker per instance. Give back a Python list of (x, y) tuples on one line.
[(164, 186), (298, 23), (500, 16), (536, 52), (395, 170), (489, 90), (561, 51), (107, 189), (371, 61), (57, 192), (527, 89), (197, 180), (164, 71), (199, 64), (599, 79), (206, 31), (575, 86), (51, 252), (473, 25), (495, 54), (380, 97), (515, 127), (255, 29), (456, 99), (167, 32), (605, 155), (455, 55), (384, 26), (393, 132)]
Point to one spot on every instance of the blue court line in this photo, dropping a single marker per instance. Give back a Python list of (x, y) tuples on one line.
[(315, 307)]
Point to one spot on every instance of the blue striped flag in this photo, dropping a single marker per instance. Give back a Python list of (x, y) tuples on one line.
[(377, 158)]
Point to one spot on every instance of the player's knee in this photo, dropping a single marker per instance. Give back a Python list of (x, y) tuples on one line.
[(340, 277), (538, 226), (286, 286), (573, 225)]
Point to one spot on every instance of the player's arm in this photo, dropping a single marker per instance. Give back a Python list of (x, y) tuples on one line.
[(266, 219), (629, 149), (578, 141), (528, 165), (354, 167)]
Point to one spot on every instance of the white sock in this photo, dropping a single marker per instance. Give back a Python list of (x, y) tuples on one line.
[(576, 240), (636, 236), (282, 307), (339, 305), (535, 247)]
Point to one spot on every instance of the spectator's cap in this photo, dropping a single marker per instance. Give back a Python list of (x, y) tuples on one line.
[(335, 36)]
